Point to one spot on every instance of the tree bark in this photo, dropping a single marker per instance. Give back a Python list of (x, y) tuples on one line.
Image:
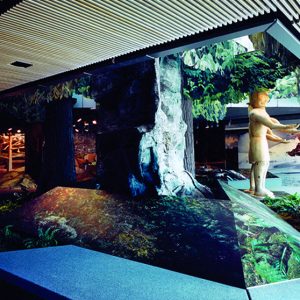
[(34, 138), (189, 153), (58, 162)]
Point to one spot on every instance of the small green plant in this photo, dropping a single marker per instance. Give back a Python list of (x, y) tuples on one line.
[(7, 231), (135, 244), (8, 205), (268, 272), (286, 204), (44, 239)]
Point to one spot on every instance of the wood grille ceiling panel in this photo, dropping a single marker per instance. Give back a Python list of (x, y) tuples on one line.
[(56, 36)]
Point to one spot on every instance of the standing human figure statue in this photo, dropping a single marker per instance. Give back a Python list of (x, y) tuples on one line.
[(260, 131)]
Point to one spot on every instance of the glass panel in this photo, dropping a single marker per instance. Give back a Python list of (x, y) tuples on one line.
[(270, 247)]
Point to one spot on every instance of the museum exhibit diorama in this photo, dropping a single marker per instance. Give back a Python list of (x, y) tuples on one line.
[(189, 162)]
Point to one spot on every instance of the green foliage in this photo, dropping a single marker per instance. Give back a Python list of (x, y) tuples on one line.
[(206, 76), (268, 254), (30, 106), (173, 232), (44, 239), (254, 71), (268, 272), (7, 231), (11, 239), (210, 110), (223, 73), (286, 87), (134, 244), (208, 69), (213, 58), (286, 204), (270, 249), (82, 86), (8, 205)]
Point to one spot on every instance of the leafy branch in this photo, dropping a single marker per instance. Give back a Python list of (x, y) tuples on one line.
[(224, 73)]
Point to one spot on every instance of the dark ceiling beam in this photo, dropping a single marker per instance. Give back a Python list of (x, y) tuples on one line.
[(6, 5), (236, 113), (260, 23)]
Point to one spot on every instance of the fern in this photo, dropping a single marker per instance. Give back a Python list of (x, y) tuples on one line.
[(45, 238), (269, 273), (286, 204)]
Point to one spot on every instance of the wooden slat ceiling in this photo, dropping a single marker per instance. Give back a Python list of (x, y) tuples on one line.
[(56, 36)]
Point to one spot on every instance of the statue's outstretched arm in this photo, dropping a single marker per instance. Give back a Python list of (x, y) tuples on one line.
[(290, 130), (275, 138), (267, 121)]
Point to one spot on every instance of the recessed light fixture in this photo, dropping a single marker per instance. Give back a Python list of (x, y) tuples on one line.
[(21, 64)]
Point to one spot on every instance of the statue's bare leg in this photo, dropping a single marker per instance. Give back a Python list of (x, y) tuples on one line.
[(264, 178), (260, 171), (251, 190)]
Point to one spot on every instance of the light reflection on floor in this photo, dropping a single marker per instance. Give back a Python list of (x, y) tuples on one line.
[(287, 180), (290, 179)]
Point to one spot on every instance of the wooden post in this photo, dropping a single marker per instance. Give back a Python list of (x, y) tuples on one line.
[(58, 162), (10, 165)]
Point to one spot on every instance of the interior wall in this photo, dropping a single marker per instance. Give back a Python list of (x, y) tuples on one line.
[(209, 140)]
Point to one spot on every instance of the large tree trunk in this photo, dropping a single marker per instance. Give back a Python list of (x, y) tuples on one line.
[(141, 131), (34, 138), (58, 163), (162, 149), (189, 153)]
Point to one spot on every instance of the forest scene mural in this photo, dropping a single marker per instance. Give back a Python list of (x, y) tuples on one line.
[(135, 175)]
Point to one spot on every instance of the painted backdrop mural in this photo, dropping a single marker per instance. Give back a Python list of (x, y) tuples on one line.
[(281, 155)]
